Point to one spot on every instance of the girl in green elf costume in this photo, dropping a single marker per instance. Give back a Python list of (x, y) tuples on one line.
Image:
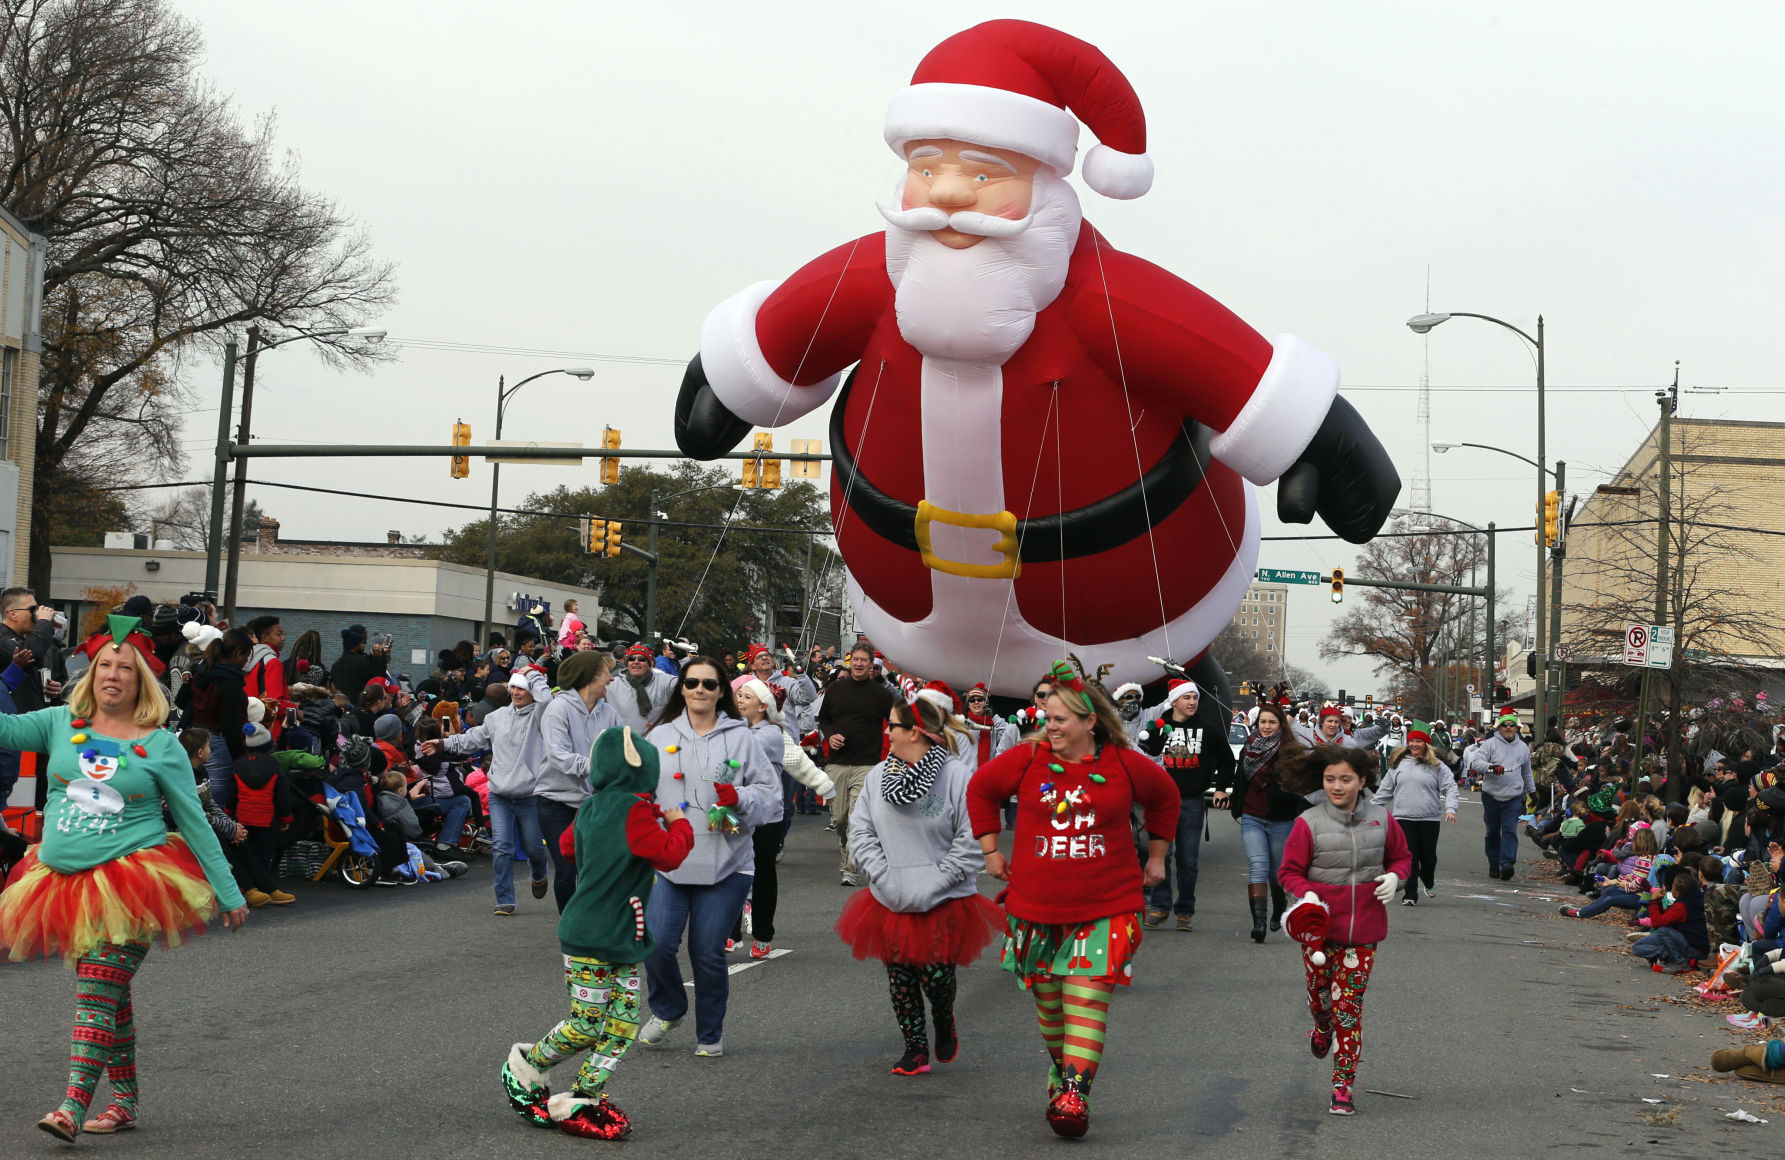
[(602, 934)]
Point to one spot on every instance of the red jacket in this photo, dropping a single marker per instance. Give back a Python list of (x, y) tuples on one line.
[(1077, 863)]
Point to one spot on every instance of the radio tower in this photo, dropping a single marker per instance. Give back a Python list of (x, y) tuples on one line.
[(1422, 483)]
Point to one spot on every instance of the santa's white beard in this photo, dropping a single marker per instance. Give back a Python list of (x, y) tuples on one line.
[(979, 304)]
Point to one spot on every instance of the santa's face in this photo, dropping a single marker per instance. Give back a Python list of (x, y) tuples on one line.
[(958, 177)]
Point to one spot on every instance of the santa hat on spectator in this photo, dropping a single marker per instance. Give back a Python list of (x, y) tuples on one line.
[(1178, 687), (762, 692), (1331, 711), (943, 697), (199, 633), (1013, 84), (1123, 689), (639, 649), (750, 653), (1306, 921)]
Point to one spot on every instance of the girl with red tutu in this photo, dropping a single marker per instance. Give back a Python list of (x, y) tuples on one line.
[(922, 913), (1075, 884), (108, 878)]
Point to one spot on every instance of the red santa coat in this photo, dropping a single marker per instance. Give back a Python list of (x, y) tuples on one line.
[(987, 453)]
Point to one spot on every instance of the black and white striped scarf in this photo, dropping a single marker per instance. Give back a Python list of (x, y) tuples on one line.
[(902, 784)]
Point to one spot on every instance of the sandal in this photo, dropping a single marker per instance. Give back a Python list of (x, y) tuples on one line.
[(60, 1125), (113, 1119), (1154, 917)]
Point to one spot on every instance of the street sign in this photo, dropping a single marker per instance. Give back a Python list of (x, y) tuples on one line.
[(1648, 646), (1290, 576), (1636, 645), (1564, 652), (1660, 646)]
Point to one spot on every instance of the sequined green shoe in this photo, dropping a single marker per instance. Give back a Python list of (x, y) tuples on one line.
[(526, 1087)]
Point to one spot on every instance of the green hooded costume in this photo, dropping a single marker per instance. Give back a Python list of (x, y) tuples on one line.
[(604, 919)]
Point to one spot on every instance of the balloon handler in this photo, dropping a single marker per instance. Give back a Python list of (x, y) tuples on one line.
[(1046, 444), (620, 839)]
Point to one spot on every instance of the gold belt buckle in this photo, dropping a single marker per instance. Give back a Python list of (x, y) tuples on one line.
[(1004, 523)]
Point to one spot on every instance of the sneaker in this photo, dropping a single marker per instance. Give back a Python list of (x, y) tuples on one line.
[(280, 898), (850, 879), (831, 826), (1320, 1041), (1184, 923), (454, 869), (1431, 891), (731, 944), (1342, 1105), (1635, 936), (709, 1050), (948, 1047), (915, 1061), (504, 911), (256, 898), (1152, 918), (594, 1119), (747, 923), (1493, 870), (760, 950), (654, 1031), (1506, 873), (1414, 901), (1571, 911), (539, 887)]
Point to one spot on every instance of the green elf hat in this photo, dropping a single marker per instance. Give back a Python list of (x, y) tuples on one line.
[(1419, 731), (1507, 718), (122, 630), (1070, 685)]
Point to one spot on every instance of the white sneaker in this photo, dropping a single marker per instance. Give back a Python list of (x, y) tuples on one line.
[(710, 1050), (655, 1030), (850, 879)]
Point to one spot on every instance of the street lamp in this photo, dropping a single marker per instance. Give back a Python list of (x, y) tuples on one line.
[(1487, 534), (503, 394), (371, 335), (1423, 324)]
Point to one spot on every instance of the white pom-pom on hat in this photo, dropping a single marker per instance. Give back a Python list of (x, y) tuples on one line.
[(1112, 173)]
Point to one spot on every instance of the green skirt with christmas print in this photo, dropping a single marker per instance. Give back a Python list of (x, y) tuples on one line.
[(1101, 950)]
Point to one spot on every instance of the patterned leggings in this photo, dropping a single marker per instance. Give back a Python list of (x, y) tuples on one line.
[(910, 983), (1073, 1013), (603, 1021), (1336, 1000), (104, 1028)]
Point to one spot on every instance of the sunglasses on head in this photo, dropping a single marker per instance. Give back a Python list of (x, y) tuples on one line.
[(707, 683)]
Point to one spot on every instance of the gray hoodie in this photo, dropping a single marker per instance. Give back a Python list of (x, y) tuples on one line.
[(700, 760), (623, 696), (1513, 757), (917, 856), (513, 737), (1418, 791), (569, 731)]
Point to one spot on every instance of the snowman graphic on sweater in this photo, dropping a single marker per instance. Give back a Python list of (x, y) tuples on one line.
[(94, 802)]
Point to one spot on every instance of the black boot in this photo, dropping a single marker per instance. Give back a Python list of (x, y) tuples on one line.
[(1279, 903), (1255, 894)]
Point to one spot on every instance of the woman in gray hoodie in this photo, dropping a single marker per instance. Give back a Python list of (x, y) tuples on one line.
[(1417, 790), (922, 913), (713, 766)]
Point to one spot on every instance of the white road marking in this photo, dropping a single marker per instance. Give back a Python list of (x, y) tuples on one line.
[(746, 965)]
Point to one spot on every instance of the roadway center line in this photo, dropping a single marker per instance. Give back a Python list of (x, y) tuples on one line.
[(744, 966)]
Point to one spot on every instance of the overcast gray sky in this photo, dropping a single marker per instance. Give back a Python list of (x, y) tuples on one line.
[(592, 179)]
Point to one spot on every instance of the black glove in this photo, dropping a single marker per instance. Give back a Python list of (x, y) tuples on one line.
[(705, 429), (1344, 474)]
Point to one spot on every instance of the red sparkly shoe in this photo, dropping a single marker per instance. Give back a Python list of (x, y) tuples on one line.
[(1069, 1115), (590, 1119)]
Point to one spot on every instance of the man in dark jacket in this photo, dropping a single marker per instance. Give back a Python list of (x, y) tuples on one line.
[(356, 667), (1191, 744), (25, 624), (852, 721)]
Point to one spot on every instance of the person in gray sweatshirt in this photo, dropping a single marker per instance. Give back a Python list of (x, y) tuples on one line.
[(569, 726), (1418, 790), (517, 755), (714, 769), (1503, 761), (922, 913), (641, 690)]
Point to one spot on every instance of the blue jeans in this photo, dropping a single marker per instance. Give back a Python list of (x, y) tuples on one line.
[(1665, 944), (506, 816), (221, 769), (707, 913), (1183, 857), (1501, 820), (453, 812), (1609, 897), (554, 818), (1264, 846)]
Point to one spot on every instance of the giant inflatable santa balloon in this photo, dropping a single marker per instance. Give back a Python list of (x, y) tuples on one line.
[(1042, 444)]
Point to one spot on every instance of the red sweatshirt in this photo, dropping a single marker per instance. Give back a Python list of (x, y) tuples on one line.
[(1075, 859)]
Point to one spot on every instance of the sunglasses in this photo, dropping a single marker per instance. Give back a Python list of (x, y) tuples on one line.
[(707, 683), (975, 700)]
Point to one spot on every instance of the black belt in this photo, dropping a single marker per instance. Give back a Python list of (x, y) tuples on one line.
[(1097, 527)]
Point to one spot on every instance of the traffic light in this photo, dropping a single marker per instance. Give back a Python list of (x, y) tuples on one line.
[(1369, 700), (461, 437), (610, 466), (612, 546), (761, 472), (1338, 585), (1245, 688), (1531, 665), (597, 535), (1552, 518)]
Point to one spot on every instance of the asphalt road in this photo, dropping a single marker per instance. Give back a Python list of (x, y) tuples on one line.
[(373, 1024)]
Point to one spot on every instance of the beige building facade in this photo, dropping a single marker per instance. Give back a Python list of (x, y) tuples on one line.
[(1263, 621), (21, 345)]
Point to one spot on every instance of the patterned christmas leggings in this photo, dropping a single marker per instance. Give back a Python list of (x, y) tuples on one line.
[(1336, 1000), (104, 1028), (1074, 1016), (910, 983), (603, 1021)]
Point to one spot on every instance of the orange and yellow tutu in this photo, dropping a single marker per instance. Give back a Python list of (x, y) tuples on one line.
[(158, 894)]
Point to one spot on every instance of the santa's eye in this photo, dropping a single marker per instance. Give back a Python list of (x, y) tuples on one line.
[(980, 177), (927, 173)]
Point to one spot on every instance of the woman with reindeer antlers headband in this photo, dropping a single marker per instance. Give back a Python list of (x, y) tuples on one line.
[(1074, 886)]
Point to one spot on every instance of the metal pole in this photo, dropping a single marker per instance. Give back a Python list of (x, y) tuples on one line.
[(651, 576), (238, 496), (1540, 695), (1557, 553), (1664, 439), (489, 572), (1493, 657), (1474, 640), (214, 544)]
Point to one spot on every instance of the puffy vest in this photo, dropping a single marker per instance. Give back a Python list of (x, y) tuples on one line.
[(257, 805), (1349, 848)]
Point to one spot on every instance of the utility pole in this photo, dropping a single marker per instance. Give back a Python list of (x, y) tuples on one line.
[(489, 570), (651, 577), (1493, 677), (1667, 400), (240, 486), (1540, 695), (213, 550), (1557, 553)]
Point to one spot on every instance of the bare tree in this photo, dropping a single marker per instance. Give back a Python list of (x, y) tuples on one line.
[(168, 222), (1243, 656), (183, 519), (1407, 632), (1306, 684)]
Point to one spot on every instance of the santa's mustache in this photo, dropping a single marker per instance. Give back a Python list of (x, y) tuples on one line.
[(925, 219)]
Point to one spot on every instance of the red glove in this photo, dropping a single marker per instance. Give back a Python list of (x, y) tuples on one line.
[(728, 794), (540, 669), (567, 843)]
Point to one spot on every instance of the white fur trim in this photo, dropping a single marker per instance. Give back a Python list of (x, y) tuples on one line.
[(1116, 174), (1124, 689), (739, 373), (984, 116), (763, 694), (1285, 410), (524, 1071), (937, 698), (563, 1105)]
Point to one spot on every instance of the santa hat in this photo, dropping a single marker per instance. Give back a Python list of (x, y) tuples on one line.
[(942, 696), (1306, 921), (201, 634), (1013, 84), (1127, 687), (1331, 711), (639, 649), (1177, 687), (762, 692), (750, 653)]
